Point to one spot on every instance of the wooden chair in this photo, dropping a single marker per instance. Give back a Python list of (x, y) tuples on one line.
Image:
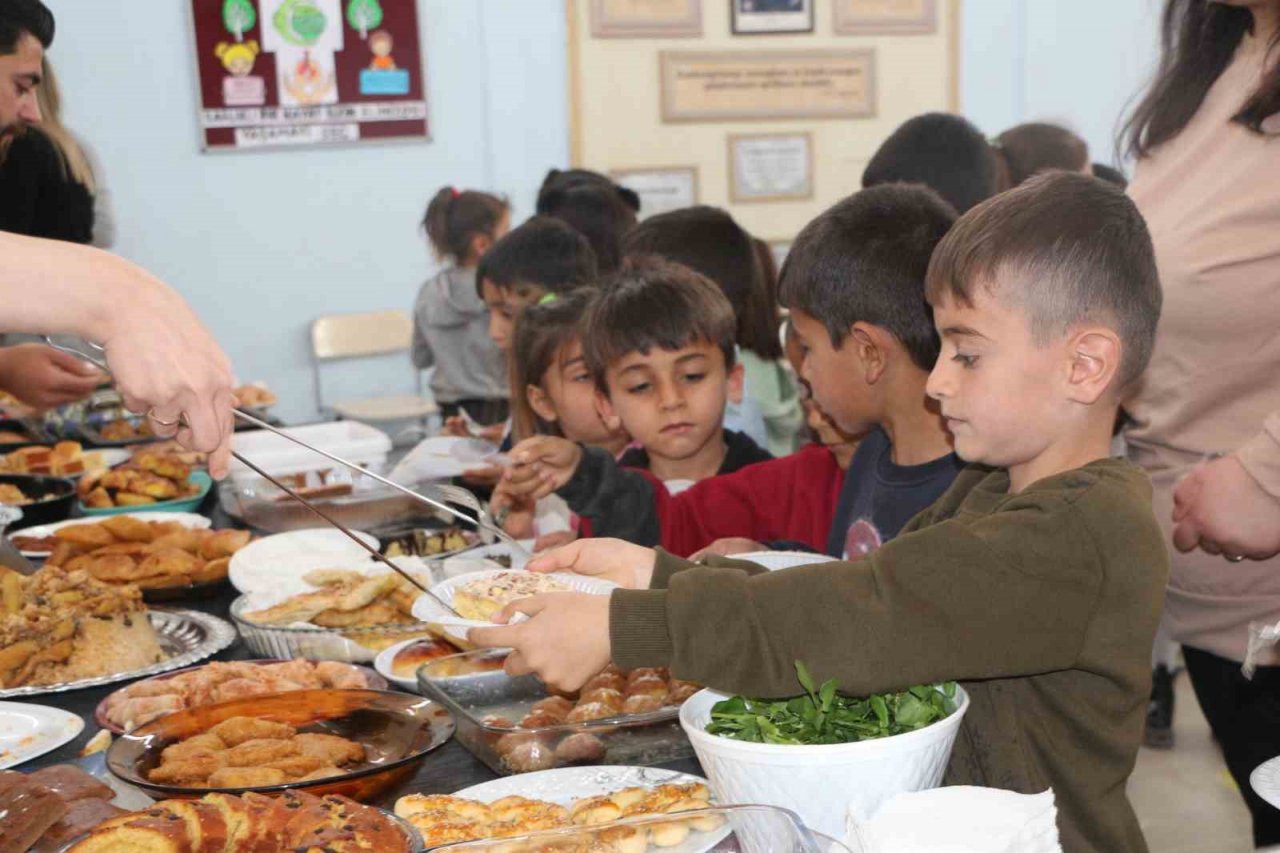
[(339, 337)]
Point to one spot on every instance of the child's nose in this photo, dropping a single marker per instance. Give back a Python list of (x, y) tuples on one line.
[(939, 384)]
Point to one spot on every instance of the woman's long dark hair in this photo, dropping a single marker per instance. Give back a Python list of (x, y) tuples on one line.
[(1197, 42)]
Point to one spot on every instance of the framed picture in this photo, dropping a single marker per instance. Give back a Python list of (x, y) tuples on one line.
[(770, 167), (885, 17), (646, 18), (749, 85), (661, 189), (759, 17)]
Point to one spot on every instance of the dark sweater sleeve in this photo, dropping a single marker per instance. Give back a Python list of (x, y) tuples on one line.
[(619, 502), (789, 498), (1003, 595)]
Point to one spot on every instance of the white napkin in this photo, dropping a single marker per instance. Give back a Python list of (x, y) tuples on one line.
[(959, 820)]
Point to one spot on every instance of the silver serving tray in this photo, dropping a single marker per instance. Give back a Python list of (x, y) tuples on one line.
[(186, 636)]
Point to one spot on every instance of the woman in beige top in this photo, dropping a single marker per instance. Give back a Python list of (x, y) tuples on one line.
[(1206, 416)]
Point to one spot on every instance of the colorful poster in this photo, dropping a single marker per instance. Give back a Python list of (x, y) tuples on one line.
[(308, 72)]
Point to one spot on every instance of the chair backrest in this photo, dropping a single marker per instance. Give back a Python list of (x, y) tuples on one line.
[(356, 335)]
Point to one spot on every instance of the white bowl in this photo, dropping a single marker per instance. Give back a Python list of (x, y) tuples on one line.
[(820, 782)]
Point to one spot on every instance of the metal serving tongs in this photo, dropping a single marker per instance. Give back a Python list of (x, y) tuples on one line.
[(480, 521)]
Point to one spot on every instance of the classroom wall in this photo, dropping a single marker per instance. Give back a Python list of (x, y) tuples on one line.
[(1074, 62), (261, 243)]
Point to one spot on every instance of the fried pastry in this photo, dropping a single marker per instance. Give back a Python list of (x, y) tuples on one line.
[(334, 749), (246, 777), (238, 730)]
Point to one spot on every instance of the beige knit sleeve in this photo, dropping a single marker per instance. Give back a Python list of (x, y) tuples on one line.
[(1260, 456)]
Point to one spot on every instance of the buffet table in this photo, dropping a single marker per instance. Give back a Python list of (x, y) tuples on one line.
[(447, 769)]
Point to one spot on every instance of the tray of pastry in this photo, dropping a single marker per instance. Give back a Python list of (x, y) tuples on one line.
[(514, 725), (63, 630)]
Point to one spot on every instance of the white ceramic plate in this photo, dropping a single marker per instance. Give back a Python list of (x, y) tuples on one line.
[(480, 559), (382, 663), (186, 519), (776, 560), (566, 784), (1265, 781), (276, 564), (29, 731), (427, 609)]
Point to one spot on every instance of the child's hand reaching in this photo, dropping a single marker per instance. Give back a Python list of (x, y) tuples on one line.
[(729, 547), (565, 641), (516, 513), (540, 465), (629, 566)]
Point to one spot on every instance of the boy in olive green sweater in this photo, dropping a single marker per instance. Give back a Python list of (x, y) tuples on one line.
[(1036, 581)]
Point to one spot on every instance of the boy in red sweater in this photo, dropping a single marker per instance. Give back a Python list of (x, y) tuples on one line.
[(860, 266)]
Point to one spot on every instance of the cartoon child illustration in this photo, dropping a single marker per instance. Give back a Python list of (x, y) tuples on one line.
[(381, 43), (237, 57), (240, 89)]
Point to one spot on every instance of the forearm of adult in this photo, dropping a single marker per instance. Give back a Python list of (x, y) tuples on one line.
[(54, 287)]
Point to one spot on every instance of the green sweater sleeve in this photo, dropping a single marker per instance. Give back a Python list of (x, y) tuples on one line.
[(971, 597)]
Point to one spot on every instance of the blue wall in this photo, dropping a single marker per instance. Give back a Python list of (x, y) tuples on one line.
[(261, 243)]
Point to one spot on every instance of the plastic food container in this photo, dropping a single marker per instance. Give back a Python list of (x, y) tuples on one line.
[(361, 502), (470, 687), (348, 645), (724, 829), (354, 441), (820, 782)]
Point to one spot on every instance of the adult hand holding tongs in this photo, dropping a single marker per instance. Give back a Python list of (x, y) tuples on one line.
[(479, 520)]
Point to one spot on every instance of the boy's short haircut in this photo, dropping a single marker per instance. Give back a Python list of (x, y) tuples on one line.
[(709, 241), (651, 302), (1034, 147), (1066, 248), (595, 207), (865, 259), (542, 253), (567, 179), (945, 152), (706, 240)]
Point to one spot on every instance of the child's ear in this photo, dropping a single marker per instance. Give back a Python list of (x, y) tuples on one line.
[(1095, 356), (605, 410), (737, 383), (872, 347), (480, 244), (541, 404)]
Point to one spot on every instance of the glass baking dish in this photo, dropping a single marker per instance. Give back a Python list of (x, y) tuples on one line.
[(724, 829), (473, 687)]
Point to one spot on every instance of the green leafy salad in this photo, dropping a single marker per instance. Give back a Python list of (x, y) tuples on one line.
[(823, 716)]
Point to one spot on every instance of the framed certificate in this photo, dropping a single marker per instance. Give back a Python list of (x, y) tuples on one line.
[(661, 189), (646, 18), (885, 17), (756, 17), (745, 85), (770, 167)]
